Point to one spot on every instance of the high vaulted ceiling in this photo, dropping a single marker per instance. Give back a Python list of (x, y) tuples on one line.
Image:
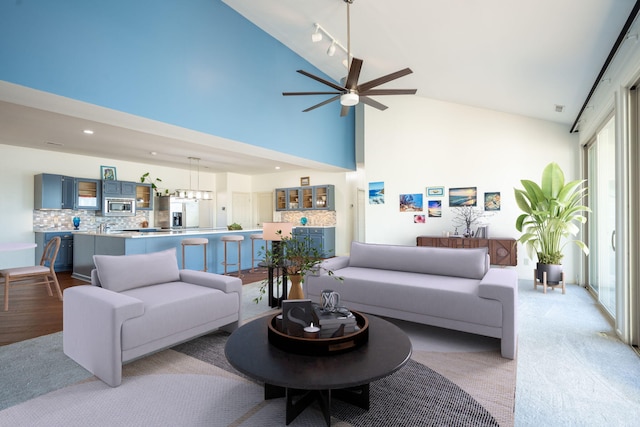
[(523, 57)]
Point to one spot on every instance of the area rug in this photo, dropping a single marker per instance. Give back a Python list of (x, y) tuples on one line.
[(193, 384)]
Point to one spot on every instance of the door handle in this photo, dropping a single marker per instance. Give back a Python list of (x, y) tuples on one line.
[(613, 240)]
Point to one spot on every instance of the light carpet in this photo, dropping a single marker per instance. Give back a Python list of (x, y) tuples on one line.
[(174, 388)]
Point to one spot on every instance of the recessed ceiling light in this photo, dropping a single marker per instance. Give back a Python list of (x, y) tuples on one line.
[(153, 153), (88, 131), (277, 167)]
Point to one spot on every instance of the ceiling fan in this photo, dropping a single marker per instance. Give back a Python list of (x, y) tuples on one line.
[(352, 92)]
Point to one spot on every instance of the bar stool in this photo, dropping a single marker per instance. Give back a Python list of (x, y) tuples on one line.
[(227, 239), (254, 237), (195, 241)]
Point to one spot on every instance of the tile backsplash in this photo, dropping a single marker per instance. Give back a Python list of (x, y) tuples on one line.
[(51, 220), (317, 218)]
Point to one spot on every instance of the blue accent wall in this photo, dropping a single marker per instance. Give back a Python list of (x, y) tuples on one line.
[(192, 63)]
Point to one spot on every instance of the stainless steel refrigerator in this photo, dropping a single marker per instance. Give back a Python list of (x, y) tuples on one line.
[(176, 213)]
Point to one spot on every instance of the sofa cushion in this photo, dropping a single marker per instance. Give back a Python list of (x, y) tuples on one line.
[(122, 272), (439, 296), (171, 308), (468, 263)]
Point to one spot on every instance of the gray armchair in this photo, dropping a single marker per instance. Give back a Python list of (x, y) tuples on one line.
[(140, 304)]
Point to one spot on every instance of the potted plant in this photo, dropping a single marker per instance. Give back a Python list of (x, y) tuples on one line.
[(298, 257), (551, 213), (147, 178)]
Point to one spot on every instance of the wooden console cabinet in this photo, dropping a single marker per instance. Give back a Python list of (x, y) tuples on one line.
[(501, 251)]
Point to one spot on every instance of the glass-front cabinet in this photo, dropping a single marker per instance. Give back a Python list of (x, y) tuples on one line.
[(317, 197), (87, 194), (144, 197), (281, 199), (293, 197)]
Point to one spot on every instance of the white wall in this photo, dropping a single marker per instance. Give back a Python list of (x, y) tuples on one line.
[(418, 143)]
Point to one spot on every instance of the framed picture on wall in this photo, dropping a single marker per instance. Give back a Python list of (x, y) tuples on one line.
[(463, 196), (492, 201), (108, 173), (435, 191), (376, 193), (304, 181)]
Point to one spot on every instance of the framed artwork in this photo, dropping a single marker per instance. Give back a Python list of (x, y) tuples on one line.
[(304, 181), (418, 219), (376, 193), (435, 191), (434, 208), (492, 201), (411, 203), (108, 173), (463, 196)]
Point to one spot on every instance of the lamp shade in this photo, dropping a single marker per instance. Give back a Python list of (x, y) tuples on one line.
[(275, 231)]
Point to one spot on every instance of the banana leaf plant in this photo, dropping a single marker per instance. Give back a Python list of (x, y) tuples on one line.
[(552, 211)]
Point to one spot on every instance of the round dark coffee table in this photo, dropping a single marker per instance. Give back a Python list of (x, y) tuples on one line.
[(305, 379)]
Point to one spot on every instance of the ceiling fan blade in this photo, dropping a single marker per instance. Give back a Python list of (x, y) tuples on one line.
[(382, 80), (344, 110), (333, 98), (354, 74), (323, 81), (310, 93), (373, 103), (373, 92)]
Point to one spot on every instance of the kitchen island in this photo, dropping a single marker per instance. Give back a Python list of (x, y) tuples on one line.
[(87, 244)]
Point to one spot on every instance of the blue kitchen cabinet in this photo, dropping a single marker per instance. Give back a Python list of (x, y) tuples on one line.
[(87, 194), (51, 191), (323, 239), (64, 260), (316, 197), (119, 189)]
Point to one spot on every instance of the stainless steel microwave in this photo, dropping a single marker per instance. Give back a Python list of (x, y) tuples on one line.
[(118, 207)]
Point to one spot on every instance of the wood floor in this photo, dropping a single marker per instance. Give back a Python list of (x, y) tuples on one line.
[(32, 312)]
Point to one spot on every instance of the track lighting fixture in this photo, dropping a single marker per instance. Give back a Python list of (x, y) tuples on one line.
[(318, 35)]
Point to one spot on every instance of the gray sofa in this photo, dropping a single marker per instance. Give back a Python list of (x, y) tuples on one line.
[(449, 288), (140, 304)]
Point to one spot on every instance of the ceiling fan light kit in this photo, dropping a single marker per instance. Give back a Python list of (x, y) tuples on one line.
[(349, 99), (350, 93)]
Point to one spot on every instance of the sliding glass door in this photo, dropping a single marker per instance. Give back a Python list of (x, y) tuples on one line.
[(602, 201)]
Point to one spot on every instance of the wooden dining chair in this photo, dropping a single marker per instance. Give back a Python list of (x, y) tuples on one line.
[(25, 275)]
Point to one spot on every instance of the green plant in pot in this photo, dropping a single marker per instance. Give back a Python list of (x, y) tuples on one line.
[(552, 211), (298, 256)]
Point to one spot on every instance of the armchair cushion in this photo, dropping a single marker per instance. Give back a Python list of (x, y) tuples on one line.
[(121, 273)]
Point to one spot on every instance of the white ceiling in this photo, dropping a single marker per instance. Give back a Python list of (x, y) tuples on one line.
[(522, 57)]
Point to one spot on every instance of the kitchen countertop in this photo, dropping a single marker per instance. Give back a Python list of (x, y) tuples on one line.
[(165, 233)]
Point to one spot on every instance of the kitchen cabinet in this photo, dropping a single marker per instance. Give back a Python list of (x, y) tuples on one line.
[(87, 194), (502, 251), (323, 239), (119, 189), (64, 260), (317, 197), (144, 197), (51, 191)]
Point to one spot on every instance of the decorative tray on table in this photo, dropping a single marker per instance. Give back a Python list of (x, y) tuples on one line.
[(320, 346)]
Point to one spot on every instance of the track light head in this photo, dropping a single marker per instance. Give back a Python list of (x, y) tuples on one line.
[(332, 49), (317, 36)]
